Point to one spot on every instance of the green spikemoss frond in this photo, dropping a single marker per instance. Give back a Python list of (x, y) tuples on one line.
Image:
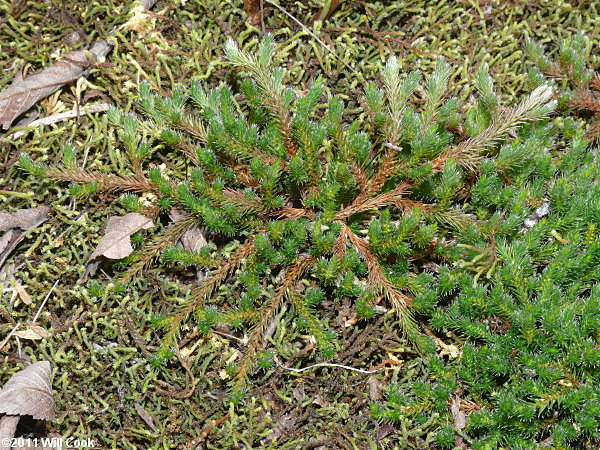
[(314, 204)]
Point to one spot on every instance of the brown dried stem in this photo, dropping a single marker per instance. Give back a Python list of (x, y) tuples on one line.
[(377, 279), (157, 245), (105, 182), (393, 197), (291, 276)]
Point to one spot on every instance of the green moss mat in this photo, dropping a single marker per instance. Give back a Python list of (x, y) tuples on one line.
[(100, 343)]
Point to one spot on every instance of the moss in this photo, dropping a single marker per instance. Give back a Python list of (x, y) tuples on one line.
[(100, 353)]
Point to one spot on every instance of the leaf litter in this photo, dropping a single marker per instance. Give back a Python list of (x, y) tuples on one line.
[(15, 226), (27, 393), (116, 243)]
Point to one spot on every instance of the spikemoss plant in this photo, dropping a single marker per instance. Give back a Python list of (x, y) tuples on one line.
[(580, 86), (300, 206), (526, 297)]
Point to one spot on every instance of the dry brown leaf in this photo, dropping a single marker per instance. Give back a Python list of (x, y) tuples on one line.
[(8, 426), (375, 389), (299, 393), (33, 333), (284, 425), (116, 243), (23, 295), (7, 273), (6, 239), (384, 430), (320, 401), (29, 393), (145, 416), (252, 10), (23, 93), (191, 240), (12, 223), (459, 418), (25, 219)]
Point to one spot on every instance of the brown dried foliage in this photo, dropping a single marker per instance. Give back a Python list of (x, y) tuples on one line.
[(106, 182), (589, 100), (256, 342), (376, 275)]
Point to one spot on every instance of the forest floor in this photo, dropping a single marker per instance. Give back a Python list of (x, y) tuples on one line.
[(100, 341)]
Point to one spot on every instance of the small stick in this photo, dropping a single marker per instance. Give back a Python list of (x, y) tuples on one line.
[(44, 302), (15, 328), (393, 147), (329, 365), (59, 118), (229, 336), (210, 426)]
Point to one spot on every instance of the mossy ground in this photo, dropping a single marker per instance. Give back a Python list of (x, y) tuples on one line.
[(101, 341)]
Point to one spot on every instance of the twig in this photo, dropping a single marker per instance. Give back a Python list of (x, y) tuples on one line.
[(59, 118), (44, 302), (391, 362), (210, 426), (13, 331), (393, 147), (229, 336), (262, 17), (291, 369)]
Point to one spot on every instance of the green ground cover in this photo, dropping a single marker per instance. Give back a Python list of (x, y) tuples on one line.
[(512, 315)]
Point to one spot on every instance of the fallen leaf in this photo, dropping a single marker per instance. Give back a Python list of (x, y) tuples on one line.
[(252, 10), (29, 393), (5, 240), (33, 333), (320, 401), (375, 389), (285, 424), (8, 426), (459, 418), (25, 219), (24, 92), (116, 243), (384, 430), (191, 240), (23, 295), (7, 273), (12, 223), (145, 416), (298, 392)]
